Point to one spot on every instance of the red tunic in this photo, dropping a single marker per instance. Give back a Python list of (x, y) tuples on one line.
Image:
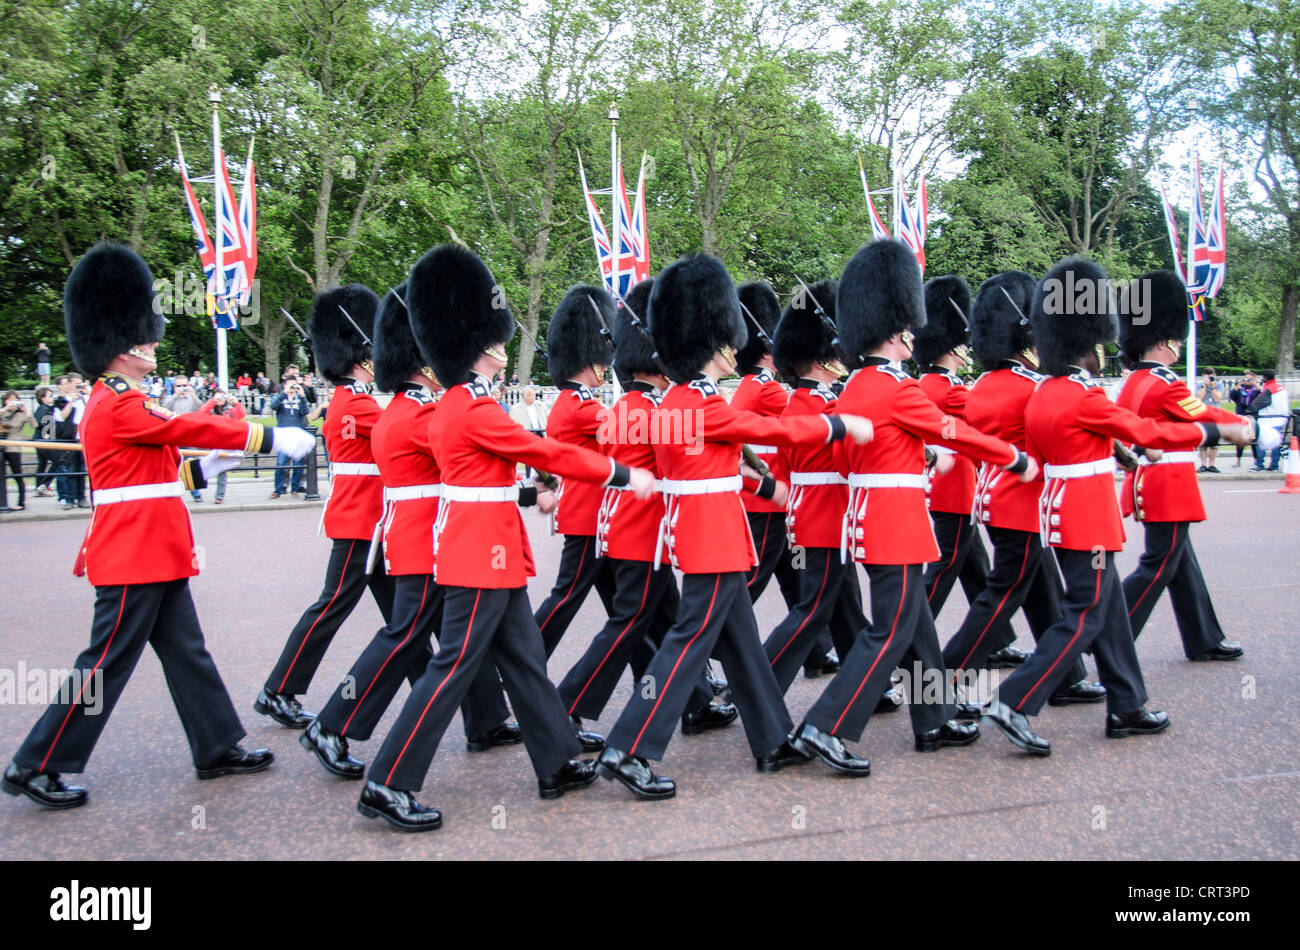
[(400, 441), (1070, 421), (996, 406), (630, 525), (356, 501), (816, 515), (760, 393), (954, 492), (698, 435), (890, 524), (575, 419), (484, 543), (129, 439), (1167, 491)]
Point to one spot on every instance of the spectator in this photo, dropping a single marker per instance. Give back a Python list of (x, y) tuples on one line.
[(69, 406), (530, 412), (43, 363), (45, 422), (14, 418), (169, 384), (242, 386), (1271, 407), (291, 408), (222, 405), (262, 387), (185, 400), (1210, 393), (1242, 395)]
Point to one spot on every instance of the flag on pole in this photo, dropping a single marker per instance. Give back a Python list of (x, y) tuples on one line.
[(231, 283), (1216, 240), (248, 224), (1195, 302), (640, 229), (207, 253), (909, 225), (600, 240), (878, 229)]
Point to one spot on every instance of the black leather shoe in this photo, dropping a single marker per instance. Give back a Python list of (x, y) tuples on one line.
[(1015, 726), (577, 773), (634, 772), (507, 733), (710, 717), (398, 808), (812, 741), (1007, 658), (591, 741), (825, 665), (236, 759), (1139, 722), (331, 751), (951, 732), (44, 788), (720, 687), (783, 755), (969, 712), (285, 710), (891, 700), (1220, 651), (1080, 692)]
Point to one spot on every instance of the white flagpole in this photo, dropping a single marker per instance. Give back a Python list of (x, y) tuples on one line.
[(616, 222), (1191, 267), (223, 373)]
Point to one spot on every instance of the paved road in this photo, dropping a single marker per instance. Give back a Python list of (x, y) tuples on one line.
[(1222, 783)]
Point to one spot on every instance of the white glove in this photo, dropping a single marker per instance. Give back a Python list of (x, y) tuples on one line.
[(216, 462), (1269, 437), (292, 441)]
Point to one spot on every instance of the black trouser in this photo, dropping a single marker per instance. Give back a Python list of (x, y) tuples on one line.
[(716, 618), (580, 570), (46, 459), (776, 559), (1023, 576), (126, 618), (1093, 614), (479, 626), (401, 649), (1169, 561), (345, 581), (902, 634), (830, 595), (15, 462), (961, 556), (644, 608)]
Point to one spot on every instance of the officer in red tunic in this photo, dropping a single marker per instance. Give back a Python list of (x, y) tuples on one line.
[(412, 488), (645, 597), (130, 443), (878, 307), (1071, 425), (481, 553), (355, 503), (696, 324), (1163, 493), (1024, 575)]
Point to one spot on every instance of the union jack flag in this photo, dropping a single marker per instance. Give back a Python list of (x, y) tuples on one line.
[(640, 230), (911, 227), (878, 229), (1216, 240), (230, 285), (207, 254), (627, 259), (1195, 302), (248, 222)]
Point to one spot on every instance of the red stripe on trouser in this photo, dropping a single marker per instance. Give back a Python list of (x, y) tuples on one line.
[(450, 673), (753, 575), (1173, 543), (998, 610), (622, 633), (795, 636), (424, 595), (717, 579), (1096, 596), (116, 624), (893, 627), (956, 544), (569, 593), (307, 635)]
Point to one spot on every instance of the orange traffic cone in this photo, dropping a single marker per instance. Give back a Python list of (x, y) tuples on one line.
[(1292, 486)]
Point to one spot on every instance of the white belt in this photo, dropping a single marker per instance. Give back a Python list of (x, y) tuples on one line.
[(1081, 469), (353, 468), (817, 478), (480, 492), (700, 486), (886, 480), (763, 449), (111, 496), (1169, 458), (411, 492)]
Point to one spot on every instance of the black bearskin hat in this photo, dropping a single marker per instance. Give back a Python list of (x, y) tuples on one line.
[(802, 336), (880, 295), (633, 352), (397, 358), (108, 306), (999, 326), (762, 303), (1071, 313), (335, 342), (457, 311), (945, 326), (1152, 308), (573, 338), (694, 312)]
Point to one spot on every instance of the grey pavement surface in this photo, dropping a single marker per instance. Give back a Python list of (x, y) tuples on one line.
[(1222, 783)]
